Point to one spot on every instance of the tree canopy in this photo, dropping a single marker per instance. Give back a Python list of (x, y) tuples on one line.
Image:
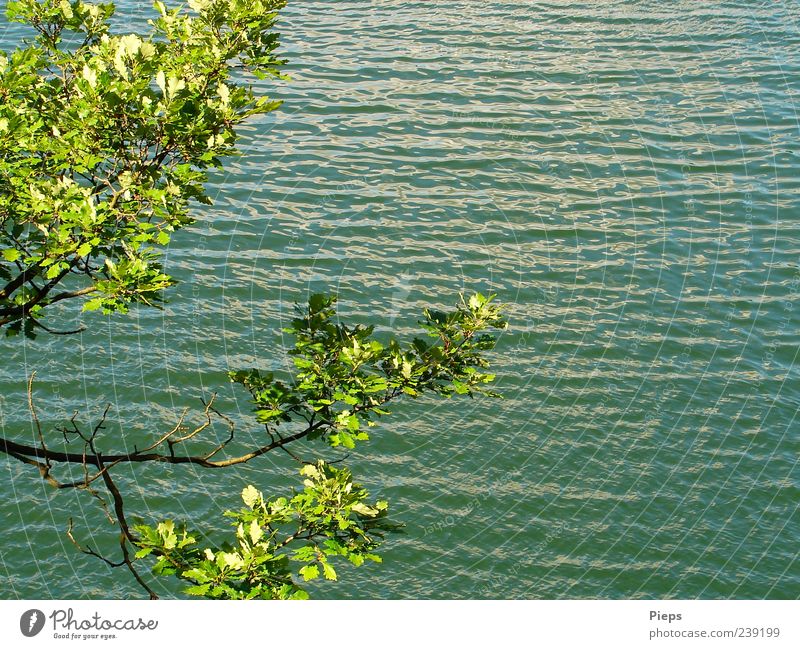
[(106, 140)]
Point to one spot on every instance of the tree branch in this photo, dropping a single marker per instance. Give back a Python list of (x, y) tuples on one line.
[(45, 454)]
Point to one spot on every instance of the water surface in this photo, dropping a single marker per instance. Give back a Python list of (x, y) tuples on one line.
[(624, 175)]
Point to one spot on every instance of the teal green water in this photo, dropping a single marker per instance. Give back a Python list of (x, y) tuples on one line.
[(624, 175)]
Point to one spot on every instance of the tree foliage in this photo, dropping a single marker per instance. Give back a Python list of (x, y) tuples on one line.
[(106, 141), (330, 519), (344, 379)]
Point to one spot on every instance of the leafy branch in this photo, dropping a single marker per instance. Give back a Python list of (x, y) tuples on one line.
[(344, 381), (106, 139)]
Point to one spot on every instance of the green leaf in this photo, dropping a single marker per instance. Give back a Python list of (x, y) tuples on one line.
[(166, 528), (310, 470), (309, 572), (53, 271), (255, 531), (365, 510), (251, 496), (93, 304), (197, 575), (199, 590), (330, 573), (11, 254), (232, 559)]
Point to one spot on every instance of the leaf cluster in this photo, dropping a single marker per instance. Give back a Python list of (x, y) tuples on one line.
[(343, 381), (275, 541), (106, 139), (346, 377)]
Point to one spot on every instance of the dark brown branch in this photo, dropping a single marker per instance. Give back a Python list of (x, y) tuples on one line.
[(19, 280), (70, 294), (15, 312), (54, 331), (14, 448), (126, 535), (119, 507), (44, 469)]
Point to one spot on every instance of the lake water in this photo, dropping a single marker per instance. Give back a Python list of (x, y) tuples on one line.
[(624, 175)]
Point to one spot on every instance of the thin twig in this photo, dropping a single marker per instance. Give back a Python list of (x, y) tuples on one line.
[(35, 416), (88, 550)]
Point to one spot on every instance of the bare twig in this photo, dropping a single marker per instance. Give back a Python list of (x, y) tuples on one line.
[(44, 459), (35, 416), (88, 550), (55, 331)]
